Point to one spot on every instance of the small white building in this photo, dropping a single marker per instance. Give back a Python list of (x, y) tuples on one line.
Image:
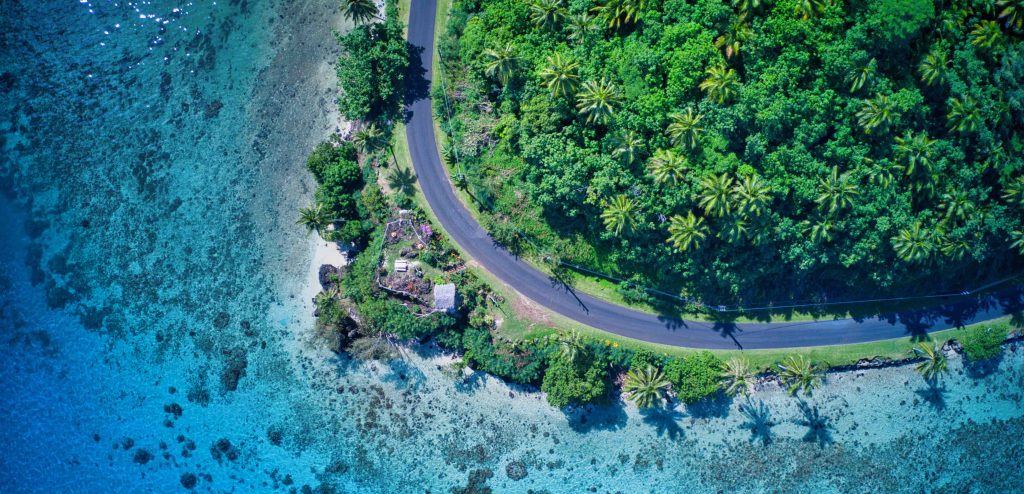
[(401, 266), (444, 297)]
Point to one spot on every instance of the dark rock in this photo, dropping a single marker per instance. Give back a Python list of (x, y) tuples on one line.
[(213, 109), (477, 483), (188, 480), (142, 456), (222, 320), (275, 436), (127, 443), (329, 275), (174, 409), (234, 368), (336, 467), (516, 470), (6, 81), (223, 448)]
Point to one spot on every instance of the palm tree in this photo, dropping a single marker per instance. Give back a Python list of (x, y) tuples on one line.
[(645, 387), (754, 195), (359, 11), (721, 83), (1014, 191), (914, 244), (934, 363), (571, 345), (500, 63), (934, 66), (811, 8), (667, 165), (716, 198), (559, 75), (914, 150), (799, 373), (547, 13), (403, 180), (368, 140), (686, 231), (836, 192), (315, 218), (859, 77), (1012, 12), (738, 375), (735, 230), (597, 100), (685, 129), (876, 112), (1018, 241), (821, 231), (986, 34), (957, 207), (618, 13), (733, 38), (745, 8), (620, 214), (628, 147), (964, 115), (579, 26), (880, 173), (954, 247)]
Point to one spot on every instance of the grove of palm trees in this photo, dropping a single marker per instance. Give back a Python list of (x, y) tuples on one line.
[(746, 152)]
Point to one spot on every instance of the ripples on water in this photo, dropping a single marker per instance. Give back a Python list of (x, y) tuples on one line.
[(158, 331)]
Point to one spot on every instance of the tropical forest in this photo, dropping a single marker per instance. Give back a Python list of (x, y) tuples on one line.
[(746, 152)]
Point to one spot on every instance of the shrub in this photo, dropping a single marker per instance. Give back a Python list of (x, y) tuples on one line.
[(983, 343), (324, 155), (390, 317), (522, 367), (568, 383), (695, 377)]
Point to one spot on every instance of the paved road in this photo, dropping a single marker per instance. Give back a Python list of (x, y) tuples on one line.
[(538, 287)]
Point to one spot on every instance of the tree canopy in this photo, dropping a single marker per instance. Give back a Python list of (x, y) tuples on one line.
[(752, 151)]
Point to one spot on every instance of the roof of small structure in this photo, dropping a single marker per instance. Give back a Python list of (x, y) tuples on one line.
[(444, 296)]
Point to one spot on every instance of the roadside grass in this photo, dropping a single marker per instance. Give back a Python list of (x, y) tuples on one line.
[(516, 326)]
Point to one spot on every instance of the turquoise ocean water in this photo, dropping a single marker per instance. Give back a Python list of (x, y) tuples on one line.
[(155, 325)]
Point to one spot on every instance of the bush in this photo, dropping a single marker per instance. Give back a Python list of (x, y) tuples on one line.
[(695, 377), (381, 316), (521, 367), (567, 383), (324, 155), (983, 343)]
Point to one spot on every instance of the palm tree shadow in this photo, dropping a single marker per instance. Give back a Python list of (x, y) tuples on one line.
[(610, 417), (717, 405), (403, 180), (759, 421), (819, 430), (665, 421), (934, 395)]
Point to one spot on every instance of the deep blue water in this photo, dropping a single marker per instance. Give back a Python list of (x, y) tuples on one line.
[(155, 324)]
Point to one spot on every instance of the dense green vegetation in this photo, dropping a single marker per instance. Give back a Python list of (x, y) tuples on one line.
[(983, 342), (746, 152), (620, 158), (373, 64)]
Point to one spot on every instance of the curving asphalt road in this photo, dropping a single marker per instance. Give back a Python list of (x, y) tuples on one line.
[(465, 231)]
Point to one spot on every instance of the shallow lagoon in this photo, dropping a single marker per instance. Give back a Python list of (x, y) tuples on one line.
[(155, 299)]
